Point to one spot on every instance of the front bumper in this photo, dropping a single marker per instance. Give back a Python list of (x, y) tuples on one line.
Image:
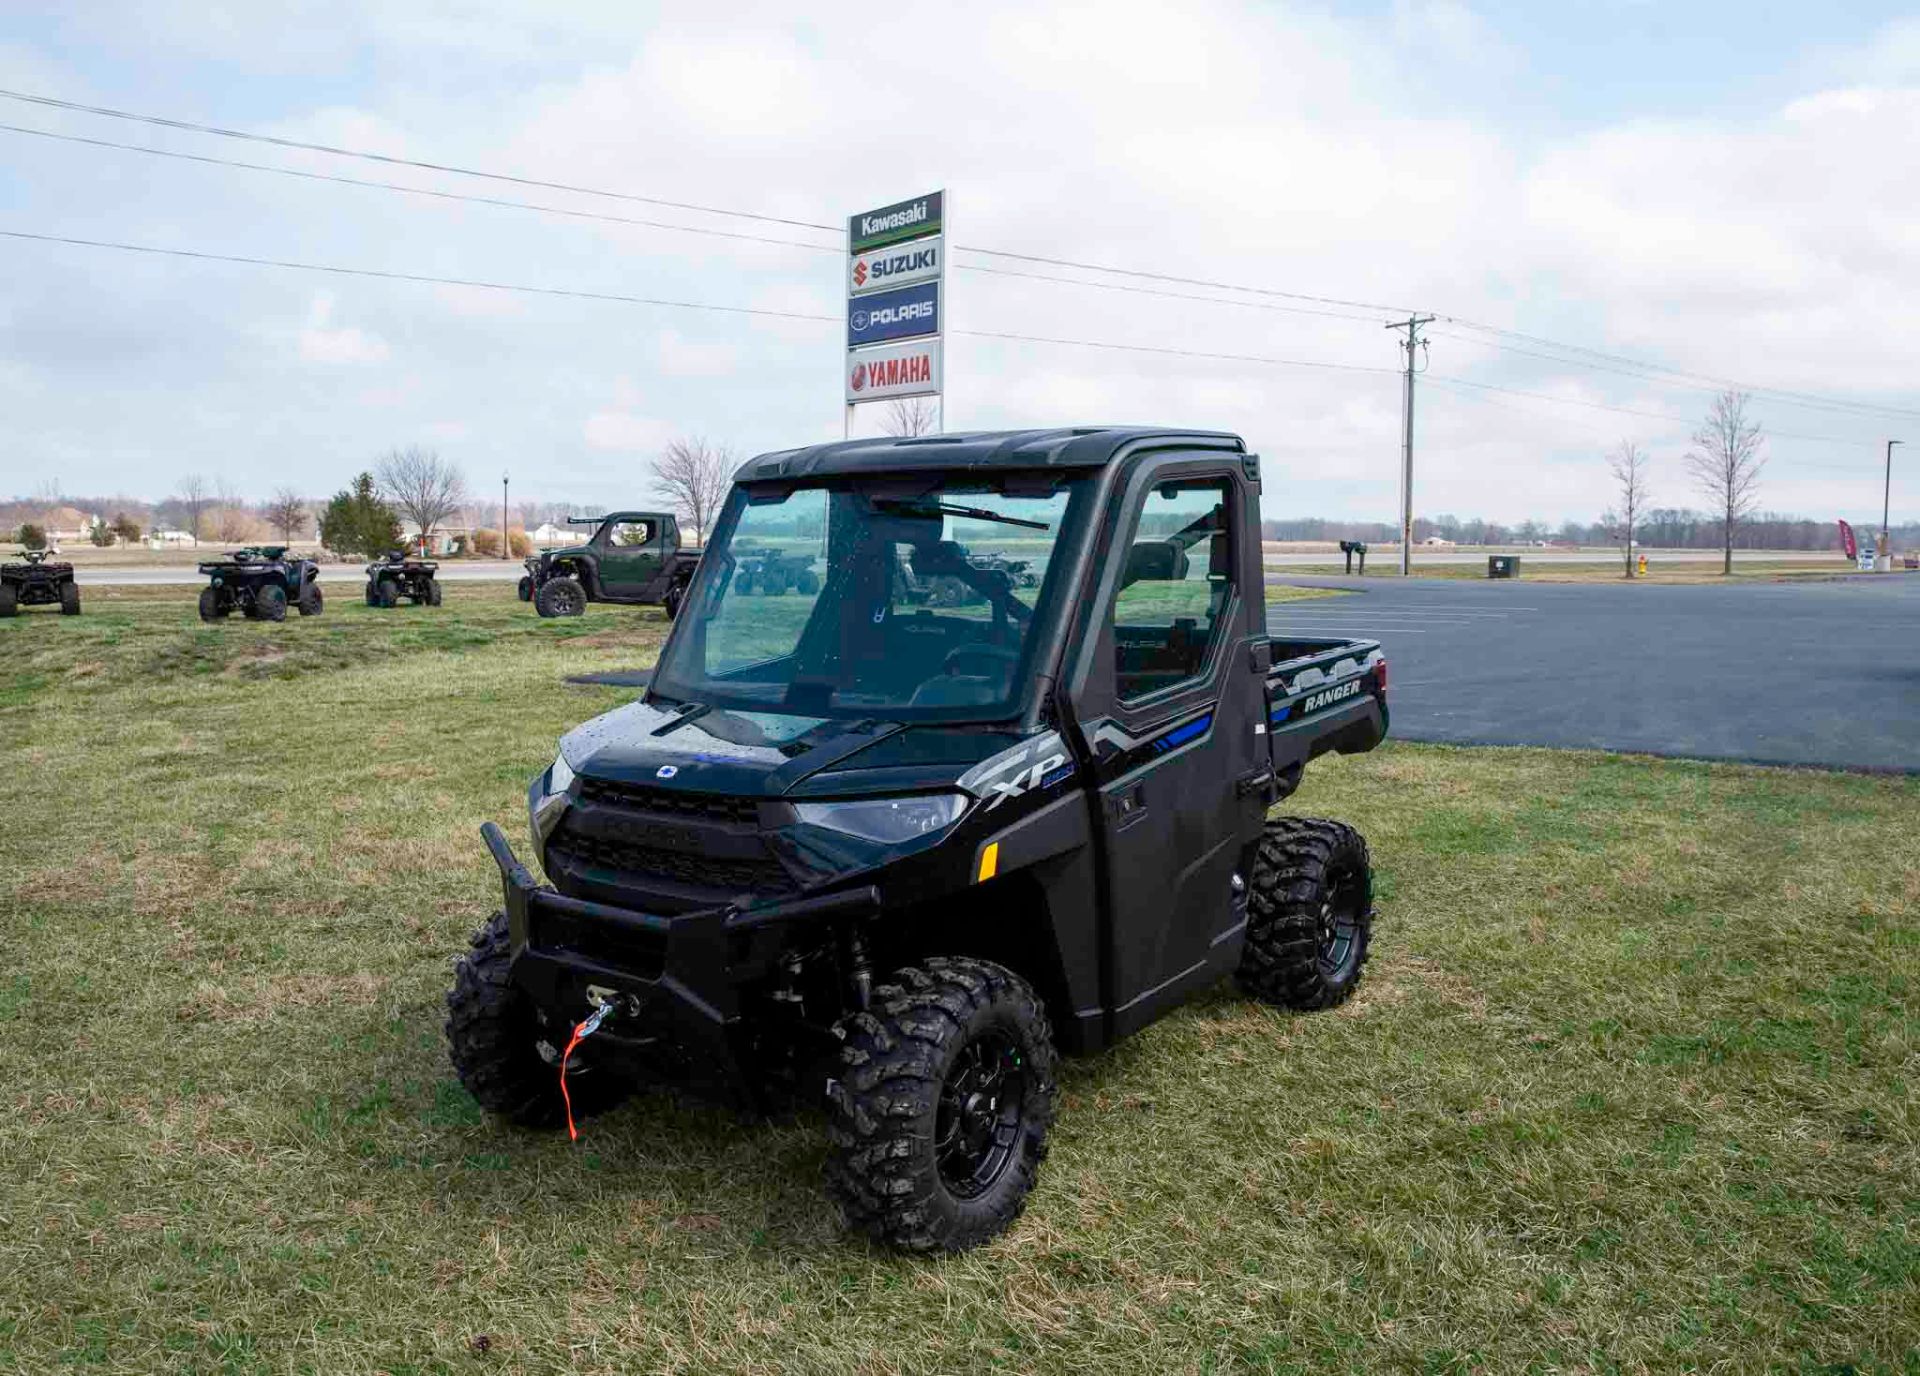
[(675, 981)]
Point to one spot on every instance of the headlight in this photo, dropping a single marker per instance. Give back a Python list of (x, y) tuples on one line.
[(547, 801), (887, 820)]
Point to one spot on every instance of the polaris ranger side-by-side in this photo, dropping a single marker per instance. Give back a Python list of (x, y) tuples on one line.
[(895, 855), (633, 558)]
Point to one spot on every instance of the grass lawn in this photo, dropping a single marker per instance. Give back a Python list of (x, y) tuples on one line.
[(1629, 1086)]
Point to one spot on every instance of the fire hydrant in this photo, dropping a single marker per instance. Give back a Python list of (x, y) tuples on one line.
[(1643, 564)]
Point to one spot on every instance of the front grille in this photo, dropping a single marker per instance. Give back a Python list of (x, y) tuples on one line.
[(689, 869), (667, 802)]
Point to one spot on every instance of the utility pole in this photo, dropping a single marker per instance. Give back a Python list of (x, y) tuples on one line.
[(1412, 326), (1883, 562), (506, 546)]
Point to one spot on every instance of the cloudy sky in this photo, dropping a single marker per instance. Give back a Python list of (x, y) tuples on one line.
[(1727, 191)]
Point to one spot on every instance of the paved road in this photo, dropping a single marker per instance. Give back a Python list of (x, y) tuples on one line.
[(174, 575), (1820, 673)]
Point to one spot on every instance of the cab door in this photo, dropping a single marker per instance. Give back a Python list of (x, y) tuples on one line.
[(1169, 697), (632, 553)]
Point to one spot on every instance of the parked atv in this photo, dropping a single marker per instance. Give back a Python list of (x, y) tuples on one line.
[(398, 575), (33, 582), (773, 573), (260, 582), (894, 859), (634, 558)]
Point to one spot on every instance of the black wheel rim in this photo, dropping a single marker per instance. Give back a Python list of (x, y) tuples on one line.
[(1340, 914), (983, 1106)]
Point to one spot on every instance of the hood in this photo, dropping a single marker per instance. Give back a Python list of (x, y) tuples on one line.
[(772, 754)]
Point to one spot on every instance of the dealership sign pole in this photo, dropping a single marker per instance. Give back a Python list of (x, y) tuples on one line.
[(896, 304)]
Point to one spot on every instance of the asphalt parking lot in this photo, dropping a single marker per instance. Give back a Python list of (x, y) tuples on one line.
[(1808, 673)]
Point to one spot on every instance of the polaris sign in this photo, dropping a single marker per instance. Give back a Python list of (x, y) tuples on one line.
[(893, 224), (898, 314), (893, 371), (902, 265)]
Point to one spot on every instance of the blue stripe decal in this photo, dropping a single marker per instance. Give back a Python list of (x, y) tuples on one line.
[(1180, 735), (1282, 712)]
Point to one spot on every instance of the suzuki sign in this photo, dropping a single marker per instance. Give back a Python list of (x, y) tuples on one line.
[(899, 266), (894, 370)]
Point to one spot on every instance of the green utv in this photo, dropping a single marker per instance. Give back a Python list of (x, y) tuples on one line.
[(260, 582), (633, 558), (894, 859)]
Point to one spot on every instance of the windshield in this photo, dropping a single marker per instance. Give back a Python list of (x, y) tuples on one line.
[(904, 599)]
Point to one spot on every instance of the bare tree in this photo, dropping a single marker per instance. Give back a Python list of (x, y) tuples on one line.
[(694, 476), (425, 487), (286, 512), (1725, 462), (231, 519), (193, 497), (1628, 465), (910, 416)]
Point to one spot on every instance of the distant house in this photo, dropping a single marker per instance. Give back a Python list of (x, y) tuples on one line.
[(443, 540), (66, 523), (1437, 542), (158, 538), (547, 533)]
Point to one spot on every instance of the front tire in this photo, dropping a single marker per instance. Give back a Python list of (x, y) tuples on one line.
[(560, 597), (312, 602), (526, 587), (433, 592), (1309, 914), (270, 603), (210, 608), (939, 1113), (386, 592), (9, 600), (670, 602), (494, 1036)]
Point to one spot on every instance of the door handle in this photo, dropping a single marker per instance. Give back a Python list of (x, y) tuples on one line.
[(1254, 781)]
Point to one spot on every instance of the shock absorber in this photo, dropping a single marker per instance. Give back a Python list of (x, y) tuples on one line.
[(859, 969)]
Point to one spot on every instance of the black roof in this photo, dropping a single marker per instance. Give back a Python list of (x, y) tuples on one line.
[(1080, 447)]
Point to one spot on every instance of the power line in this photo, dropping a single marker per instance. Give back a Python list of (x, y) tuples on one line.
[(1712, 382), (1138, 274), (401, 187), (215, 130), (204, 255)]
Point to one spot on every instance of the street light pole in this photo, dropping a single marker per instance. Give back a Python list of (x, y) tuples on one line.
[(1886, 501), (506, 547)]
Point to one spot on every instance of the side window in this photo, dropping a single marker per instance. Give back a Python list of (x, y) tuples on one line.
[(1175, 587), (633, 533)]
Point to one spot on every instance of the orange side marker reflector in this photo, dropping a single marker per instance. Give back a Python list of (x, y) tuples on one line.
[(989, 862)]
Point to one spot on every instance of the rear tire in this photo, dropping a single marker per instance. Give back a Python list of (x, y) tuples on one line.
[(386, 592), (1309, 914), (806, 583), (70, 599), (526, 587), (210, 608), (494, 1034), (433, 592), (560, 597), (270, 603), (9, 600), (372, 594), (312, 601), (939, 1113)]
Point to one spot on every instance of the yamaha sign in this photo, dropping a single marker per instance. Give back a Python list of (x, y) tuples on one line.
[(892, 371), (896, 282)]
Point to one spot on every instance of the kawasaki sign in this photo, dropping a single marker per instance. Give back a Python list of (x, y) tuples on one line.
[(893, 224), (896, 289)]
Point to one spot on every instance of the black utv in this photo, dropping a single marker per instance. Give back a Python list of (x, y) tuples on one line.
[(397, 576), (260, 582), (892, 858), (34, 582)]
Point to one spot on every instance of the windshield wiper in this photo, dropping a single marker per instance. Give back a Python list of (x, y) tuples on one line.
[(975, 513)]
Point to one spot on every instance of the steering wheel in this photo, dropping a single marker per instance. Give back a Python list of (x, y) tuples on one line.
[(995, 659)]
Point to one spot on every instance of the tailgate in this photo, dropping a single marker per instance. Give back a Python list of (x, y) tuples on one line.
[(1323, 695)]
